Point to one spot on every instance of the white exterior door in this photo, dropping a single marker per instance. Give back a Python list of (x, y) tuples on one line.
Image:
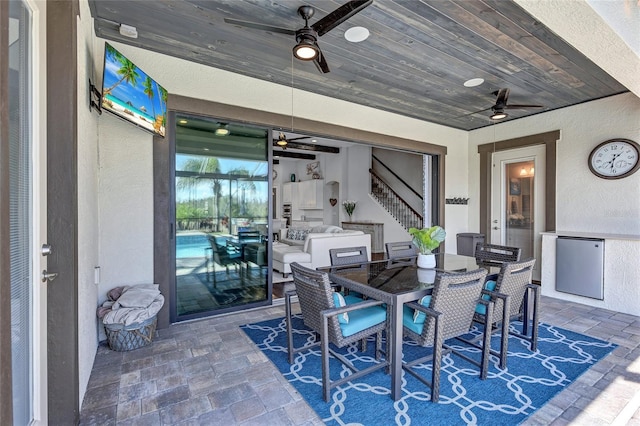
[(28, 222), (517, 201)]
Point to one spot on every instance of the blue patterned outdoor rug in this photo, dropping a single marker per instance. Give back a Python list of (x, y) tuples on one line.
[(507, 397)]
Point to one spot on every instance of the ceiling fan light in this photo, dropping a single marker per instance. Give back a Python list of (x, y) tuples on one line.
[(281, 142), (499, 115), (222, 130), (305, 50)]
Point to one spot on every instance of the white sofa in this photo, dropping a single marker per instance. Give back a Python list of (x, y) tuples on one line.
[(313, 252)]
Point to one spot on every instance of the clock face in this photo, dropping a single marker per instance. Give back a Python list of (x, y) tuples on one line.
[(615, 159)]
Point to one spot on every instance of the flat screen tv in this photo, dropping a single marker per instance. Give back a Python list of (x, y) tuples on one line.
[(131, 94)]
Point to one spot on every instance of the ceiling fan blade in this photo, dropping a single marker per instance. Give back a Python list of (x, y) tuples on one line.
[(297, 139), (471, 113), (258, 26), (501, 98), (339, 15), (321, 62), (515, 106)]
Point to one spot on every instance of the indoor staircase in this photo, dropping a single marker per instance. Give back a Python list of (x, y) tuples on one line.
[(393, 203)]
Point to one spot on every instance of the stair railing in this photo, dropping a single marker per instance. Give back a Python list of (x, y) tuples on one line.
[(394, 203)]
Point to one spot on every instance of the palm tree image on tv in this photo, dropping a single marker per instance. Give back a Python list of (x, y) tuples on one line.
[(131, 94)]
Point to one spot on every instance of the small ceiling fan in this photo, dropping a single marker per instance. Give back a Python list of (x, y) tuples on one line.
[(501, 104), (283, 141), (307, 48)]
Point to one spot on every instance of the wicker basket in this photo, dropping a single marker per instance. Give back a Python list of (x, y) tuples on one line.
[(127, 338)]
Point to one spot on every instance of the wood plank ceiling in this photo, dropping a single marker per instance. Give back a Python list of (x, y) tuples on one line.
[(414, 63)]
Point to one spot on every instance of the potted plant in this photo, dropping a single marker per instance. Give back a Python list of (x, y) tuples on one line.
[(427, 239), (349, 206)]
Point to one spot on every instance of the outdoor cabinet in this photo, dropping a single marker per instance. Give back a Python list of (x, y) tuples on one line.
[(376, 230)]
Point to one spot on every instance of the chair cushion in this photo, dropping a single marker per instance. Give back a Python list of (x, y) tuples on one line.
[(362, 319), (418, 316), (339, 301), (489, 285), (414, 319)]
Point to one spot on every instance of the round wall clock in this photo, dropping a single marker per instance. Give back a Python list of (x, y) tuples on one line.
[(615, 159)]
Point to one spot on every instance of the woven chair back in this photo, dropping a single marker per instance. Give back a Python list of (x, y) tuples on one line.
[(512, 281), (401, 253), (455, 296), (495, 255), (315, 295), (348, 255)]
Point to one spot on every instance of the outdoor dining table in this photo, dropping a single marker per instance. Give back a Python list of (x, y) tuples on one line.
[(396, 285)]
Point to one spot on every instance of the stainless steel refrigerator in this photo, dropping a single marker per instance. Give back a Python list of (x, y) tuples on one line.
[(580, 266)]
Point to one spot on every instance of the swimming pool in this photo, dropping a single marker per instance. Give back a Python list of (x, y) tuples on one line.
[(191, 245)]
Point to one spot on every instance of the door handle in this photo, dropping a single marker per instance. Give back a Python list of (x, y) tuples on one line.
[(495, 228), (48, 276)]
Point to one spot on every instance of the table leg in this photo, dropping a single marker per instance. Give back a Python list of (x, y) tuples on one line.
[(395, 348)]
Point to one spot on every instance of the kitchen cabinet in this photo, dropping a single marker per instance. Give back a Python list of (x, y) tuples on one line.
[(376, 230), (287, 192), (311, 194)]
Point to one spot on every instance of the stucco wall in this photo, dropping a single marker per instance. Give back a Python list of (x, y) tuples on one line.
[(585, 203), (88, 247)]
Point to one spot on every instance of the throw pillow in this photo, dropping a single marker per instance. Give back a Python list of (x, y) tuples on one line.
[(418, 316), (339, 301), (297, 233)]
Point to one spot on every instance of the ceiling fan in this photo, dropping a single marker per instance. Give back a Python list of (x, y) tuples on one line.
[(501, 104), (283, 141), (307, 48)]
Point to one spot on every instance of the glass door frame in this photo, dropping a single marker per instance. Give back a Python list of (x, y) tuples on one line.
[(173, 313)]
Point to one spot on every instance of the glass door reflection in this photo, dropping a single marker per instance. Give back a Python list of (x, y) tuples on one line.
[(519, 230), (221, 211)]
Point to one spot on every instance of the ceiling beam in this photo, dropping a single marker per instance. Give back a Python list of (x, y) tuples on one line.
[(310, 147), (290, 154)]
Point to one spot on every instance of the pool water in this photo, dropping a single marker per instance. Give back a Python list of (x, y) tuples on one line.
[(192, 245)]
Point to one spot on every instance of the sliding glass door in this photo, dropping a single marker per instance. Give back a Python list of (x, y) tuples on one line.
[(221, 215)]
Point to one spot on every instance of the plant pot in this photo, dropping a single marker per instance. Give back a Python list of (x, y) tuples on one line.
[(427, 261)]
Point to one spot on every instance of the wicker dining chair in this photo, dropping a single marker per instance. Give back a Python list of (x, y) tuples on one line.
[(338, 257), (320, 314), (511, 294), (223, 255), (495, 255), (448, 313), (401, 253)]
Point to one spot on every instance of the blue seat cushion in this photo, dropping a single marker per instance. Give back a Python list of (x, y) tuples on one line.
[(413, 319), (489, 285), (418, 316), (362, 319), (339, 301)]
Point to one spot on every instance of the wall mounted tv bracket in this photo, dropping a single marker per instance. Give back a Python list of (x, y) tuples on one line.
[(95, 98)]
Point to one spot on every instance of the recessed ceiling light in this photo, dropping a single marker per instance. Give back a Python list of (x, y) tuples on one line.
[(183, 121), (205, 149), (314, 140), (356, 34), (474, 82)]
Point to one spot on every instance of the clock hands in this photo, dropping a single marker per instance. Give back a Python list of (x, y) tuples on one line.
[(610, 162)]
